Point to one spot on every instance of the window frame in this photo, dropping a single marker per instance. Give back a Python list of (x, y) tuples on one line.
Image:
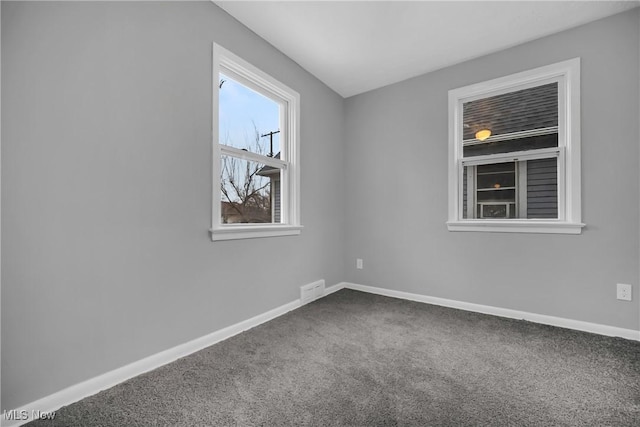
[(569, 221), (242, 71)]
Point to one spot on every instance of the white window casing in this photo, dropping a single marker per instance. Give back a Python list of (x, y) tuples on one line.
[(569, 221), (289, 100)]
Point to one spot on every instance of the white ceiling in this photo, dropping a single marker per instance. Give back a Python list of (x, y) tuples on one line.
[(357, 46)]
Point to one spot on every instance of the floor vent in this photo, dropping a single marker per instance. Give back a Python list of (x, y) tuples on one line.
[(311, 292)]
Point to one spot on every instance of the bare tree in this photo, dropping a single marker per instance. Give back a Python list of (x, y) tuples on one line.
[(246, 195)]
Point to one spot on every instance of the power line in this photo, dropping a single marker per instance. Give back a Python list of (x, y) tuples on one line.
[(270, 135)]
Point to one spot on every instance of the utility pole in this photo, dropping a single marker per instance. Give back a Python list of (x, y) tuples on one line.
[(270, 135)]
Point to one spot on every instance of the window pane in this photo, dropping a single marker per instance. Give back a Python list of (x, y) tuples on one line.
[(517, 111), (507, 114), (497, 176), (250, 192), (247, 119), (524, 189)]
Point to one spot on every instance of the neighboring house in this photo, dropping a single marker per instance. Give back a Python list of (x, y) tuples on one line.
[(234, 213), (518, 121), (273, 174), (250, 199)]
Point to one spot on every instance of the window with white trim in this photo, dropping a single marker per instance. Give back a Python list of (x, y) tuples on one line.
[(255, 152), (514, 153)]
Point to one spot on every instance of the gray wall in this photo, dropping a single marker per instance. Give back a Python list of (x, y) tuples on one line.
[(396, 150), (106, 189)]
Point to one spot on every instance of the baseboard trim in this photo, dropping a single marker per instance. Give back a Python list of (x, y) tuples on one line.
[(87, 388), (334, 288), (94, 385), (561, 322)]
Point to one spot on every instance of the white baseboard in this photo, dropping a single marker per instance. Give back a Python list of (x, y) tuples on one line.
[(579, 325), (94, 385), (334, 288)]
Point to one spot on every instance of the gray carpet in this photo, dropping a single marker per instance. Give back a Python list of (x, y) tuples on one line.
[(357, 359)]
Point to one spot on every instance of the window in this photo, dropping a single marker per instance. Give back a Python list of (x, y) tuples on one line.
[(255, 151), (514, 153)]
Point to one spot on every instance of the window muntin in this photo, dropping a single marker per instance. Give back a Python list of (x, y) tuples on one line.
[(525, 176), (256, 137)]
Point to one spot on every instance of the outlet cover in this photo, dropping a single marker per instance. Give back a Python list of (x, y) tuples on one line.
[(359, 264), (623, 292)]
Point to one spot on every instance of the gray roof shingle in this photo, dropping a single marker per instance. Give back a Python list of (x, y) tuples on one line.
[(525, 109)]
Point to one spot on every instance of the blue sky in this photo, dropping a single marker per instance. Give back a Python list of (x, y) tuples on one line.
[(239, 107)]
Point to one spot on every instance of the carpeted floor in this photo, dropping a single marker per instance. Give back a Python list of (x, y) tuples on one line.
[(357, 359)]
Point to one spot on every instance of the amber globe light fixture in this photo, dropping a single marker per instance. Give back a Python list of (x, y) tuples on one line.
[(483, 134)]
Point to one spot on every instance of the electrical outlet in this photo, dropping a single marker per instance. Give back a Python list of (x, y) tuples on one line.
[(359, 264), (623, 292)]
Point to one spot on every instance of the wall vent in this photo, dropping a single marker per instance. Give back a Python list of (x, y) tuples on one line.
[(311, 292)]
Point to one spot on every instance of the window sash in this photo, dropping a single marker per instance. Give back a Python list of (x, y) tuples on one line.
[(271, 92), (227, 150), (546, 153), (542, 153)]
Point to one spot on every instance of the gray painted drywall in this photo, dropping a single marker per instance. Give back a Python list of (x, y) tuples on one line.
[(396, 152), (106, 183)]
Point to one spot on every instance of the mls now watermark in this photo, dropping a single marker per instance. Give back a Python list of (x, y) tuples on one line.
[(23, 415)]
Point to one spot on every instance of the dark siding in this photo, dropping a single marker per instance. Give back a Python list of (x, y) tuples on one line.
[(276, 200), (542, 188), (464, 193)]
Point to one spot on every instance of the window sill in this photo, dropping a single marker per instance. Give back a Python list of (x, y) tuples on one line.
[(517, 226), (236, 232)]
